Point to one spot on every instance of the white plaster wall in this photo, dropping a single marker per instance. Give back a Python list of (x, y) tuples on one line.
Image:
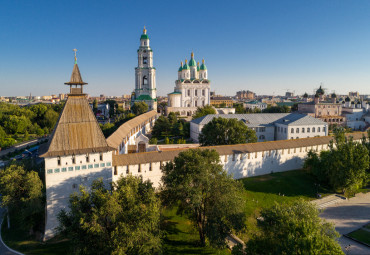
[(295, 135), (60, 185)]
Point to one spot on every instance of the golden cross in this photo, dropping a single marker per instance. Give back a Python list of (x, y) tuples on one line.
[(75, 50)]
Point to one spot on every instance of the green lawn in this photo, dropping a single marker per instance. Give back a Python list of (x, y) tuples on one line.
[(263, 191), (361, 235), (20, 241)]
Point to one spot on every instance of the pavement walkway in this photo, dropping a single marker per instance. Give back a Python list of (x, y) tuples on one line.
[(348, 216), (5, 250)]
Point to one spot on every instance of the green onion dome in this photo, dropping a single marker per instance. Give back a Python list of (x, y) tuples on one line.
[(203, 66), (144, 35), (186, 67), (192, 61), (180, 69), (305, 95), (348, 99), (320, 91)]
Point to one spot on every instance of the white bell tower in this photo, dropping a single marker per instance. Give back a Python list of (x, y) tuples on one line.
[(145, 85)]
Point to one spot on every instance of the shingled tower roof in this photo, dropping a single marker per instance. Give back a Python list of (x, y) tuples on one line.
[(77, 130)]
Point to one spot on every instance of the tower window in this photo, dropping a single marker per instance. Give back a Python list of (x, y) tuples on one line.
[(87, 158), (59, 161), (73, 159), (145, 80), (188, 92), (196, 103), (145, 60), (203, 92), (101, 156)]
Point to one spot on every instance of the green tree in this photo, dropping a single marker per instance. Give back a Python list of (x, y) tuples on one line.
[(196, 182), (139, 108), (293, 229), (276, 109), (239, 109), (21, 192), (222, 131), (95, 106), (50, 119), (203, 111), (15, 124), (2, 137), (162, 127), (124, 220)]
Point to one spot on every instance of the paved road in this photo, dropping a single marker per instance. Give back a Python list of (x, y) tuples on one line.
[(3, 249), (349, 216), (21, 146)]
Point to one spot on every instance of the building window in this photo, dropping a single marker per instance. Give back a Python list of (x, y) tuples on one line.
[(108, 164), (145, 80), (324, 129), (262, 137), (196, 103), (255, 156), (234, 157), (115, 170), (127, 169), (64, 169), (150, 166), (84, 167), (302, 130), (50, 171), (96, 165), (101, 156), (70, 168), (203, 92), (102, 164), (87, 158), (308, 130), (161, 164), (292, 131), (313, 130), (77, 167), (203, 103), (297, 131), (59, 161), (196, 92), (139, 168), (318, 129), (145, 60), (188, 92), (56, 170), (91, 166)]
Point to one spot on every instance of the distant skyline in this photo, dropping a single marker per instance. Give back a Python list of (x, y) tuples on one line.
[(267, 47)]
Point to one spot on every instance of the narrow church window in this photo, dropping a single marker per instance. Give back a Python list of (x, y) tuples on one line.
[(87, 158), (101, 156), (318, 129), (203, 92), (115, 170), (139, 169), (73, 159), (145, 80), (145, 60), (196, 103), (196, 92), (59, 161), (188, 92)]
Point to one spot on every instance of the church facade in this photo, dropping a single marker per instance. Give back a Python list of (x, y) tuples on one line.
[(192, 88), (145, 84)]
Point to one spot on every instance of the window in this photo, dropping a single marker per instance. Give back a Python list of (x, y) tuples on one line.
[(278, 129), (115, 170), (234, 157), (102, 164), (196, 92), (127, 169), (203, 92), (302, 130), (292, 131), (144, 43), (64, 169), (96, 165), (50, 171), (70, 168), (145, 60), (291, 138), (145, 80), (313, 130), (77, 167), (87, 158), (150, 167), (324, 129), (188, 92), (139, 168), (84, 167), (108, 164), (203, 103), (196, 103), (308, 130), (285, 130), (297, 131), (56, 170), (73, 159), (59, 161), (91, 166), (101, 156)]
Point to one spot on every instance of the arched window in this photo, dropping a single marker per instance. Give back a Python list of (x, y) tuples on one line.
[(145, 60), (59, 161), (292, 131), (145, 80), (196, 103), (297, 131), (203, 103), (313, 130), (308, 130), (302, 130)]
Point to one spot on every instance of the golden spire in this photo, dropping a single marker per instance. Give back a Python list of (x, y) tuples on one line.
[(181, 64), (186, 61), (203, 61), (192, 54), (144, 30), (198, 63)]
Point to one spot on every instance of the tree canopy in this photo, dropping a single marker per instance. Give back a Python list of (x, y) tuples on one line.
[(124, 220), (222, 131), (203, 111), (196, 182), (139, 108), (293, 229), (276, 109)]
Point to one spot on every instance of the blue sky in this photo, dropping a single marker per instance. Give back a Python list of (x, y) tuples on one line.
[(264, 46)]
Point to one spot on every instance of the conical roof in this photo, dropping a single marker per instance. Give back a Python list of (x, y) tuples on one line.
[(76, 78), (76, 132)]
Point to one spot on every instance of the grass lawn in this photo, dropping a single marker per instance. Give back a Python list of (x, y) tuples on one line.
[(20, 241), (263, 191), (182, 237), (361, 235)]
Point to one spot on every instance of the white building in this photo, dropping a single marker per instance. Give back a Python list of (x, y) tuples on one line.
[(269, 126), (255, 104), (77, 153), (192, 88), (145, 85)]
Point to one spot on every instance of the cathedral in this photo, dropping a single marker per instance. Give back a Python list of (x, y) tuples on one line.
[(192, 88), (145, 86)]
